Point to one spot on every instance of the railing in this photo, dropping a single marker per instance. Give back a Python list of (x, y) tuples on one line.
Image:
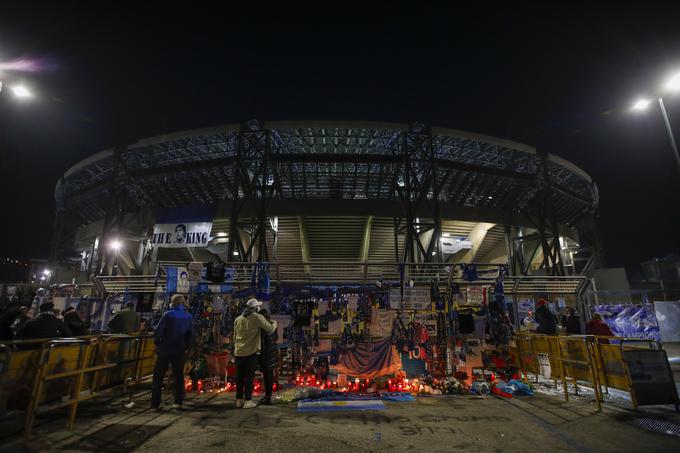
[(42, 375), (591, 360), (131, 283), (349, 272)]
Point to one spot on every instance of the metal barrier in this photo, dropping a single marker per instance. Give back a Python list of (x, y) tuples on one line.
[(65, 372), (596, 361)]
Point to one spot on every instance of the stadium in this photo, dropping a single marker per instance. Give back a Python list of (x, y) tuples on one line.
[(318, 193)]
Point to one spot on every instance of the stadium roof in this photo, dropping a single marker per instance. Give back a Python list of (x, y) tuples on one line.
[(317, 161)]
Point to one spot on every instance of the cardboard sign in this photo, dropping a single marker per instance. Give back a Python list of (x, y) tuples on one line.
[(544, 365)]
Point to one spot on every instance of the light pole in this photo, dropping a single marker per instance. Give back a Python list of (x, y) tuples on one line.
[(673, 84)]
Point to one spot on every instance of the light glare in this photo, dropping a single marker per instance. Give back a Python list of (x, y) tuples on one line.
[(641, 104), (21, 91), (673, 83)]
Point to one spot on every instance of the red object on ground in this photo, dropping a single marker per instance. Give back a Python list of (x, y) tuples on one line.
[(497, 391)]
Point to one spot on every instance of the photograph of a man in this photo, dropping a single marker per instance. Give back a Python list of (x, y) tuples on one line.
[(180, 233)]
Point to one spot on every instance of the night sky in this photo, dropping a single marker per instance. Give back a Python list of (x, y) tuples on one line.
[(558, 78)]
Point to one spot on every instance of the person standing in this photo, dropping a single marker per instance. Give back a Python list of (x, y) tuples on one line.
[(125, 321), (11, 319), (269, 360), (247, 346), (21, 319), (598, 327), (174, 335), (72, 319), (45, 325), (547, 321), (572, 322)]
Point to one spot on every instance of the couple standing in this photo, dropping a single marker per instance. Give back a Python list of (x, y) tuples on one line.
[(254, 343)]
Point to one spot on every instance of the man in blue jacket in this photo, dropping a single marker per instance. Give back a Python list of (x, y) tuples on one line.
[(174, 335)]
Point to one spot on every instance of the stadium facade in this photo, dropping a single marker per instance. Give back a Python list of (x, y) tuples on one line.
[(317, 193)]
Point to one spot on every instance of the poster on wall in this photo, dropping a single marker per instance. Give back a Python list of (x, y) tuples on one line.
[(176, 235)]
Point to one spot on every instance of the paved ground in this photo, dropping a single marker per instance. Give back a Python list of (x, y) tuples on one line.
[(433, 424)]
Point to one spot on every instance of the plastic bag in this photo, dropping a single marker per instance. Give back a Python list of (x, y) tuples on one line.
[(304, 393), (522, 388)]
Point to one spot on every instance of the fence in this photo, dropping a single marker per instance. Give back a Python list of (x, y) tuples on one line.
[(637, 366), (42, 375)]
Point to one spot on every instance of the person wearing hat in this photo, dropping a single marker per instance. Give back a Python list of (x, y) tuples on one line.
[(45, 325), (247, 347), (547, 321)]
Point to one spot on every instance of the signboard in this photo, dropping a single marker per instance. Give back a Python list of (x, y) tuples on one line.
[(176, 235), (544, 365), (650, 376)]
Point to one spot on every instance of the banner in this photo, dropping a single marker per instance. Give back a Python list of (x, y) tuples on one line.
[(177, 280), (175, 235), (630, 321)]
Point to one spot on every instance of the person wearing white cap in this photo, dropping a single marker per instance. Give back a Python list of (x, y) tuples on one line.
[(247, 346)]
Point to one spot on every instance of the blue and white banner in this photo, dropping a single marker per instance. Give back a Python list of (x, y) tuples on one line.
[(177, 280), (176, 235), (630, 321)]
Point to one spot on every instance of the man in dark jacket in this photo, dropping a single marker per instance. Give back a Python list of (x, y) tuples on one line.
[(7, 319), (269, 360), (72, 319), (125, 321), (173, 336), (547, 321), (45, 325), (572, 322)]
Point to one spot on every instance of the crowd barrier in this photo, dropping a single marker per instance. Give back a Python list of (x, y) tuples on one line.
[(41, 375), (637, 366)]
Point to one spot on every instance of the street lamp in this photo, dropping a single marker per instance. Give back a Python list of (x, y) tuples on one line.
[(672, 84), (115, 245), (19, 91)]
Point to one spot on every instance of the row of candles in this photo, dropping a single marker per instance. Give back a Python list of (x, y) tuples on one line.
[(398, 384)]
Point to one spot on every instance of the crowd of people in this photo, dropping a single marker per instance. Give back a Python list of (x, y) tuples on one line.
[(570, 321), (17, 322)]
